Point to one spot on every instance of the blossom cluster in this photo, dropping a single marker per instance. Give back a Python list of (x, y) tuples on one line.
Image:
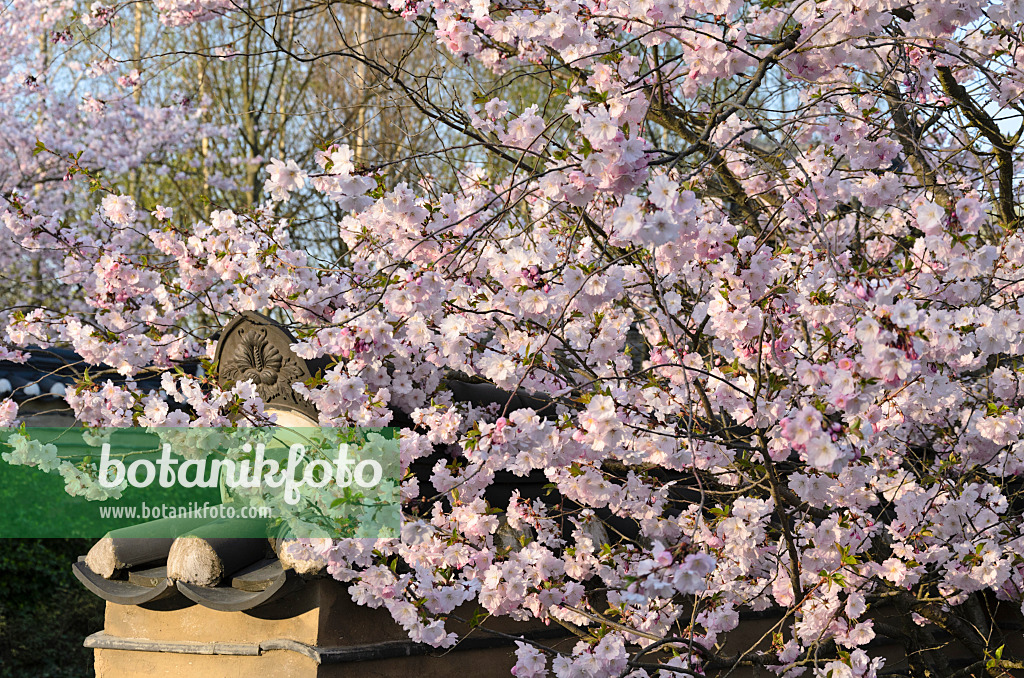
[(759, 262)]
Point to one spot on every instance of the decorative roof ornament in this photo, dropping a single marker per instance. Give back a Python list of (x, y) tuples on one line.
[(256, 348)]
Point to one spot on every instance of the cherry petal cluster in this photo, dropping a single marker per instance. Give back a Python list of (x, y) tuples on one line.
[(759, 264)]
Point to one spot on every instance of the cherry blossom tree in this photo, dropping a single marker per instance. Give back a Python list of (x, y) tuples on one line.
[(757, 261)]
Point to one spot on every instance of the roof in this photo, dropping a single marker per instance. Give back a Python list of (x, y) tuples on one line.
[(49, 372), (256, 575), (242, 574)]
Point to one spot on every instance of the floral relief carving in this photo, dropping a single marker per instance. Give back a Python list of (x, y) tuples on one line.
[(271, 368)]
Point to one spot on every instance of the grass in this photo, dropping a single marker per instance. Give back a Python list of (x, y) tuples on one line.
[(45, 613)]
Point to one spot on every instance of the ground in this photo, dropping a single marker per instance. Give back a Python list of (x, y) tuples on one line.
[(44, 612)]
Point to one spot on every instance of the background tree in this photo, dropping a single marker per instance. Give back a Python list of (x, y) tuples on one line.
[(762, 257)]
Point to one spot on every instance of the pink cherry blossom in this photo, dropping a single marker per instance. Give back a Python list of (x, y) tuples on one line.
[(285, 177), (752, 269)]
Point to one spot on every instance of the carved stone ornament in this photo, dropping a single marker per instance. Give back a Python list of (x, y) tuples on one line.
[(254, 348)]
